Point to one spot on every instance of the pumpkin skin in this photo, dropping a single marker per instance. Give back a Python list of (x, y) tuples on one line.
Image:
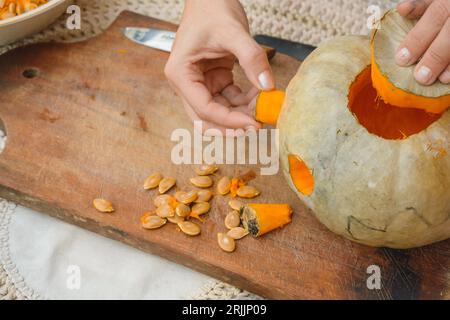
[(375, 191)]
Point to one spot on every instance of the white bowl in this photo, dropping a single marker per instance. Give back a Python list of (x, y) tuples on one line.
[(35, 20)]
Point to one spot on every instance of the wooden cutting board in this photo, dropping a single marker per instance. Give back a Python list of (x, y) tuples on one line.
[(93, 119)]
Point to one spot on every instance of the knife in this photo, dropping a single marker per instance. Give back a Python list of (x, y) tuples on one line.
[(164, 39), (297, 50)]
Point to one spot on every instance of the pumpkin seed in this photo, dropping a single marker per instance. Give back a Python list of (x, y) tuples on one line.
[(226, 243), (204, 196), (163, 199), (165, 211), (189, 228), (186, 197), (153, 181), (235, 204), (175, 219), (232, 220), (153, 222), (182, 210), (200, 208), (248, 192), (103, 205), (146, 215), (206, 170), (237, 233), (166, 184), (202, 181), (178, 194), (224, 185)]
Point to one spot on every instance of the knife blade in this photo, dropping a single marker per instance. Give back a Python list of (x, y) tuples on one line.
[(164, 39), (150, 37), (297, 50)]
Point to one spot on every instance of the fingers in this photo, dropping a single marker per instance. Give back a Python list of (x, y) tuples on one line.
[(436, 59), (413, 9), (208, 64), (198, 96), (252, 94), (424, 32), (203, 92), (189, 82), (205, 124), (253, 60), (445, 76), (217, 79), (236, 97), (213, 129)]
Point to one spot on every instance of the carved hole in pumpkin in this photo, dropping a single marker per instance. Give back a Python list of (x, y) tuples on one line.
[(382, 119), (301, 176)]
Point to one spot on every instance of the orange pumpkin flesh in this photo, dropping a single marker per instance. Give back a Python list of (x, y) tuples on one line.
[(403, 99), (383, 119), (302, 177), (259, 219), (396, 85), (268, 106)]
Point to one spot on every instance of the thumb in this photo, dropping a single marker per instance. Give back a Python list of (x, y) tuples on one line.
[(253, 59)]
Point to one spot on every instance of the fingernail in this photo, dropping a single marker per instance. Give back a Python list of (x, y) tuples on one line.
[(423, 75), (265, 81), (445, 77), (403, 57), (250, 128)]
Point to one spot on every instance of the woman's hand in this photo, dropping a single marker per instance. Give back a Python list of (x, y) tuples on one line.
[(428, 41), (212, 34)]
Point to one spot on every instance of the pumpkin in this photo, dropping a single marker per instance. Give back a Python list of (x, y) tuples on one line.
[(373, 172)]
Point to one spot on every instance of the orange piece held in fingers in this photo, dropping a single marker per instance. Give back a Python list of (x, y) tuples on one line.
[(268, 106)]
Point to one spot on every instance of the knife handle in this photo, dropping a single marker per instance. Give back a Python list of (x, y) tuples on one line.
[(270, 52)]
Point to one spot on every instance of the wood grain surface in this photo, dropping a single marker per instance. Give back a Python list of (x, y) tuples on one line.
[(94, 119)]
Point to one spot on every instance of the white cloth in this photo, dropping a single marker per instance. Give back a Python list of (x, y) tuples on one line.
[(48, 252)]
